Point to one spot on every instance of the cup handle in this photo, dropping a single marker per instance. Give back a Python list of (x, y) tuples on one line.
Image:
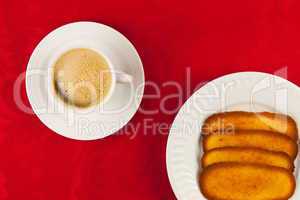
[(122, 77)]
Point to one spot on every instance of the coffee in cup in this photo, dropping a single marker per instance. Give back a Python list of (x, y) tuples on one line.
[(82, 77)]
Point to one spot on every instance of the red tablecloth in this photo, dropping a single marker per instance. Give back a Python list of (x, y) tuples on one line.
[(212, 38)]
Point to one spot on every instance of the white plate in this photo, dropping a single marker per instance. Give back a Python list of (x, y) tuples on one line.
[(249, 91), (94, 123)]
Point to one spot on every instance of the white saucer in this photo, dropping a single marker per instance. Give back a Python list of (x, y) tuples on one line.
[(93, 123), (249, 91)]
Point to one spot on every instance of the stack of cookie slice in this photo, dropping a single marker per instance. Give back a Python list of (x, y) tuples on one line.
[(248, 156)]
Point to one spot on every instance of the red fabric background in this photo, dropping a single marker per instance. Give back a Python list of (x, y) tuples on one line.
[(212, 37)]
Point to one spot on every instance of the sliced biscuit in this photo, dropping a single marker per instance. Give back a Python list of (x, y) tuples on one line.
[(259, 139), (247, 155), (239, 120), (238, 181)]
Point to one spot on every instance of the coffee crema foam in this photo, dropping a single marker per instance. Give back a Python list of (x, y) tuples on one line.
[(82, 77)]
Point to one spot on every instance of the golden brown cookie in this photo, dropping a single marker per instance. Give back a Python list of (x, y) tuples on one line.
[(247, 155), (238, 181), (239, 120), (259, 139)]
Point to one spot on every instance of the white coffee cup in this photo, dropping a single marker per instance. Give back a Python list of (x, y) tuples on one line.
[(116, 77), (96, 121)]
